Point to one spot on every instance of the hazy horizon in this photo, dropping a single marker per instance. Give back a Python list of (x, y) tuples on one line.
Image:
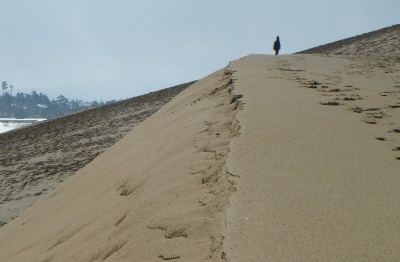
[(93, 50)]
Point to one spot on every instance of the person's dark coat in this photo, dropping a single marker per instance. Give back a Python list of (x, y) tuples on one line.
[(277, 45)]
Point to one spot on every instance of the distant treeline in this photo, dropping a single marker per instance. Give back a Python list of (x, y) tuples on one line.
[(35, 105)]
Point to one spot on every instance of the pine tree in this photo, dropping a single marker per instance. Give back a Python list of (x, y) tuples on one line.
[(4, 86)]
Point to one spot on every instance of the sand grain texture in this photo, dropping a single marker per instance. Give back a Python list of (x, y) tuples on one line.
[(36, 159), (158, 194), (314, 182)]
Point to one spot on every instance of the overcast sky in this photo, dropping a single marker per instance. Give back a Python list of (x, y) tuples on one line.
[(98, 49)]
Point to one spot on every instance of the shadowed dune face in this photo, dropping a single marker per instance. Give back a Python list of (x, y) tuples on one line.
[(35, 159), (380, 43)]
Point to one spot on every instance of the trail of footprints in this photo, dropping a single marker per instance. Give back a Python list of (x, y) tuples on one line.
[(347, 95)]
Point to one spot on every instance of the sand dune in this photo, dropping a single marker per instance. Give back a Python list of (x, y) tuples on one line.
[(315, 182), (36, 159), (158, 194), (273, 158), (384, 42)]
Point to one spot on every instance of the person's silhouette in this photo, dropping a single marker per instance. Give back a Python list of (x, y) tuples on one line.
[(277, 45)]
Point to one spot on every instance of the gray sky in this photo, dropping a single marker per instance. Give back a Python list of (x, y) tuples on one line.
[(98, 49)]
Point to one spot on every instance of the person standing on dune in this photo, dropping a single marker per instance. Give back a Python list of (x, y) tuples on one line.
[(277, 45)]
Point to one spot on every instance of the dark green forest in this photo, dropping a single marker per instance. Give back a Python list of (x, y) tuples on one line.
[(38, 105)]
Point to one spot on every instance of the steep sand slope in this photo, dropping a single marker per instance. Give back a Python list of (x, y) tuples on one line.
[(158, 194), (317, 160), (35, 159)]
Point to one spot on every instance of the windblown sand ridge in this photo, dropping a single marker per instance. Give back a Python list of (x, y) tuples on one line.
[(273, 158)]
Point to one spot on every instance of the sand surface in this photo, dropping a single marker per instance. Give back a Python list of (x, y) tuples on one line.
[(314, 183), (158, 194), (380, 43), (274, 158), (37, 158)]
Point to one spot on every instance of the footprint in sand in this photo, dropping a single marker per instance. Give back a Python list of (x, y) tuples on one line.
[(360, 110), (371, 122), (330, 103), (349, 99)]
